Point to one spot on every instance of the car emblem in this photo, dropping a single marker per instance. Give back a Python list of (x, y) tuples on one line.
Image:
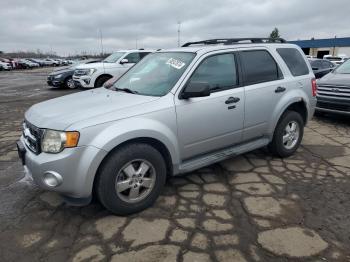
[(336, 90)]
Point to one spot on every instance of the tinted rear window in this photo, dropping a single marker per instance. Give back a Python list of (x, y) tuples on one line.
[(259, 67), (294, 61)]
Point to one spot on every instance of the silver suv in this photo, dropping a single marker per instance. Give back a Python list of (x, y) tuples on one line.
[(175, 111)]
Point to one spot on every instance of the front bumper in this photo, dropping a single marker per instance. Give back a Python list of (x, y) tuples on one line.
[(76, 166), (55, 82), (333, 105), (83, 81)]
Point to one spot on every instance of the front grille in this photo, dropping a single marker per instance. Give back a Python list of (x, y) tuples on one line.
[(336, 91), (332, 106), (32, 137)]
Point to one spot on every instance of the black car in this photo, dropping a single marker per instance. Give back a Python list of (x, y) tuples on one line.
[(333, 91), (63, 77), (321, 67)]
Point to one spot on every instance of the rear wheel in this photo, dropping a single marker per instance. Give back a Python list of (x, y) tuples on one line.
[(131, 179), (101, 80), (288, 134)]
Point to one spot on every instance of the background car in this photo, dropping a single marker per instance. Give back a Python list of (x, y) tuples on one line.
[(321, 67), (63, 77), (95, 75), (5, 66), (333, 91), (338, 60)]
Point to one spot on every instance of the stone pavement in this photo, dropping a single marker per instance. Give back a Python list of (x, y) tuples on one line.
[(250, 208)]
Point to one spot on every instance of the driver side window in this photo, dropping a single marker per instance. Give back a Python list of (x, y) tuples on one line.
[(219, 71), (133, 58)]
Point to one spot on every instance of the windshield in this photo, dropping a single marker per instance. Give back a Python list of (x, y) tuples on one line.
[(113, 57), (156, 74), (343, 68)]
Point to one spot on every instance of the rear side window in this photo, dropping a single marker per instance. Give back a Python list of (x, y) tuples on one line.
[(294, 61), (259, 67)]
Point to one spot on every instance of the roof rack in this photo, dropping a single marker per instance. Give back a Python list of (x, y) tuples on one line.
[(230, 41)]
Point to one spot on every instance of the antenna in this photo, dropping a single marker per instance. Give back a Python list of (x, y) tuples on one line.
[(101, 41), (178, 33)]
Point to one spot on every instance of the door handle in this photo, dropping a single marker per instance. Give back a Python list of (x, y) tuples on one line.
[(232, 100), (280, 89)]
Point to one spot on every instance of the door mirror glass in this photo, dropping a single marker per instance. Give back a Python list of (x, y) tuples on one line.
[(124, 61), (196, 89)]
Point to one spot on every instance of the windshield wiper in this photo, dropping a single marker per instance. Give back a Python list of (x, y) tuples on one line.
[(126, 90)]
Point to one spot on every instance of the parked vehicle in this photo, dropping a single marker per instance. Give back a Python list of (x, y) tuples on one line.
[(51, 62), (337, 60), (95, 75), (29, 63), (321, 67), (5, 66), (64, 77), (333, 94), (175, 111)]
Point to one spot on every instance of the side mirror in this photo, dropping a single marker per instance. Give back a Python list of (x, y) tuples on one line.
[(124, 61), (196, 89)]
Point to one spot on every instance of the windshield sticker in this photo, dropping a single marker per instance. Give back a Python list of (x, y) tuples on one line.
[(175, 63)]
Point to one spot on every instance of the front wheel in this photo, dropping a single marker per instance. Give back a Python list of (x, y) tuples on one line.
[(69, 83), (288, 134), (131, 179)]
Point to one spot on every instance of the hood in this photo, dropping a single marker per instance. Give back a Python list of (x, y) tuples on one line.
[(62, 71), (99, 65), (60, 113), (335, 79)]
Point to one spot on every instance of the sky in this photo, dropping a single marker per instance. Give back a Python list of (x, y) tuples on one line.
[(69, 27)]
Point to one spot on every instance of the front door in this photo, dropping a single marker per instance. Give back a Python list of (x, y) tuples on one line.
[(206, 124)]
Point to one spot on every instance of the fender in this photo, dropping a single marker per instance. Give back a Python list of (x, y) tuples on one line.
[(293, 96), (131, 128)]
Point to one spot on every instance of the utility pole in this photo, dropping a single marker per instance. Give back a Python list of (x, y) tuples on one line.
[(178, 33), (101, 41), (136, 42)]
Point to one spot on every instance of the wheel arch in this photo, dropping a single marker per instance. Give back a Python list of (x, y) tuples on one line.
[(297, 104), (101, 76), (155, 143)]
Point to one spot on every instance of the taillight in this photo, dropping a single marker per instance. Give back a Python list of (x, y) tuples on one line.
[(314, 87)]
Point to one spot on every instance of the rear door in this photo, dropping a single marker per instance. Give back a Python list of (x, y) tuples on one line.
[(264, 87)]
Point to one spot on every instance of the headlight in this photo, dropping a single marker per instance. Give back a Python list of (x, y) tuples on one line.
[(87, 72), (58, 76), (55, 141)]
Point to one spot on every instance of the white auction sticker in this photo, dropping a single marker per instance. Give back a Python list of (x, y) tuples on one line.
[(175, 63)]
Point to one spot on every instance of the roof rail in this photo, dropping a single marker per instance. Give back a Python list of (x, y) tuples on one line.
[(230, 41)]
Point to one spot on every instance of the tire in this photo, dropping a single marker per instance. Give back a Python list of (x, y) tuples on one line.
[(69, 83), (101, 80), (123, 167), (285, 149)]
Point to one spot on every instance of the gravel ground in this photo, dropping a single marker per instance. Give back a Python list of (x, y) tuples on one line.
[(249, 208)]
